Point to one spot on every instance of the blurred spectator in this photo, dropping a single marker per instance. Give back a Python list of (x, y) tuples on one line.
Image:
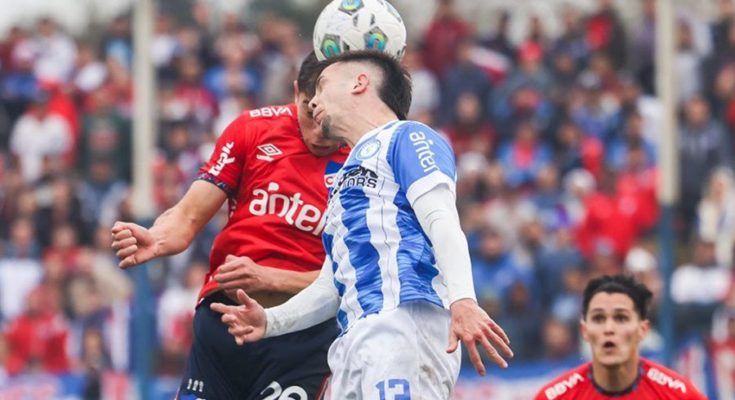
[(698, 288), (59, 205), (636, 190), (105, 134), (496, 269), (571, 42), (175, 312), (592, 112), (558, 340), (688, 60), (117, 43), (704, 145), (500, 41), (56, 52), (578, 151), (716, 214), (527, 87), (643, 47), (525, 156), (469, 130), (190, 100), (558, 255), (38, 137), (721, 25), (441, 37), (20, 270), (37, 339), (425, 88), (619, 149), (641, 263), (89, 72), (464, 77), (606, 33), (608, 227), (101, 189)]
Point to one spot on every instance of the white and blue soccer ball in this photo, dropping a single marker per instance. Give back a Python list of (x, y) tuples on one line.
[(345, 25)]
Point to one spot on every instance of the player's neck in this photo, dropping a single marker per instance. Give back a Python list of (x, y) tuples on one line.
[(616, 378), (362, 124)]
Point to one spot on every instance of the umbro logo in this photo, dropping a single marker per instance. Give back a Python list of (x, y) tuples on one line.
[(268, 152)]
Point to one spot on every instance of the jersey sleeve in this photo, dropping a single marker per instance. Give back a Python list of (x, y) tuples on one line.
[(225, 165), (421, 159)]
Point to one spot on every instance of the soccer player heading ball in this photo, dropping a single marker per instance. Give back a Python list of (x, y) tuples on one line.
[(614, 322), (397, 271)]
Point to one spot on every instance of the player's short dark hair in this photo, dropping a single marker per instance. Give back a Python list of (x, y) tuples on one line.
[(308, 74), (620, 283), (395, 90)]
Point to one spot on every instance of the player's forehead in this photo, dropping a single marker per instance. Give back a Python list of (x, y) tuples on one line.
[(611, 302)]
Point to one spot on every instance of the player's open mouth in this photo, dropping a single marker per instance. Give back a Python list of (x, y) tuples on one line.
[(609, 345)]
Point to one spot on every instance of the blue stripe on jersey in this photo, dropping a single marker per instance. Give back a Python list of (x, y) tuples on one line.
[(416, 151), (415, 258), (363, 254), (327, 241)]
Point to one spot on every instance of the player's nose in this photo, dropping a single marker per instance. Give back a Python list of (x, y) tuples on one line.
[(312, 103)]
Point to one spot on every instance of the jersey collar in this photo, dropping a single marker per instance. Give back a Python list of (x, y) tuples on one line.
[(619, 393)]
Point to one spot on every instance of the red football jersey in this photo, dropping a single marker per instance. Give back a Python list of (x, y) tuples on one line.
[(277, 192), (655, 382)]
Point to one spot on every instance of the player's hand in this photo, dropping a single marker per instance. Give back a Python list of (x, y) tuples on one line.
[(245, 322), (133, 244), (474, 327), (243, 273)]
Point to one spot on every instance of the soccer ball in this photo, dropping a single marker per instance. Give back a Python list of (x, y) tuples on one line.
[(346, 25)]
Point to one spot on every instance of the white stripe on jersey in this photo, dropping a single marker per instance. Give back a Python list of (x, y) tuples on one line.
[(381, 253), (347, 275)]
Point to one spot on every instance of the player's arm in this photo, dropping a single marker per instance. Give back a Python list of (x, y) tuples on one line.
[(249, 322), (437, 214), (173, 231), (244, 273)]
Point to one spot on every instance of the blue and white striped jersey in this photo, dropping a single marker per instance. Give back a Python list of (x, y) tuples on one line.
[(379, 254)]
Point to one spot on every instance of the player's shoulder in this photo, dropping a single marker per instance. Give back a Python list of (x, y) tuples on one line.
[(416, 132), (668, 380), (565, 384), (265, 118)]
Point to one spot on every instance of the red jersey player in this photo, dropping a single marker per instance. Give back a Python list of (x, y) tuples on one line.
[(274, 169), (614, 323)]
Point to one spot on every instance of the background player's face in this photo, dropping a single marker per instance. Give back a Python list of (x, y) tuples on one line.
[(613, 329), (311, 131)]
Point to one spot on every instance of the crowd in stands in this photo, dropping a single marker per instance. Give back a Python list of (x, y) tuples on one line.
[(555, 141)]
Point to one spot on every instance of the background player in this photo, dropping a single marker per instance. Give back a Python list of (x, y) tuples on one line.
[(272, 166), (614, 323), (396, 255)]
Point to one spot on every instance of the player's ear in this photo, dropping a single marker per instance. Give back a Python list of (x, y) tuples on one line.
[(296, 91), (361, 83), (583, 329), (644, 328)]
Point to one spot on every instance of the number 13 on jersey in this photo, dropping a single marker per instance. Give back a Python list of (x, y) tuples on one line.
[(394, 389)]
